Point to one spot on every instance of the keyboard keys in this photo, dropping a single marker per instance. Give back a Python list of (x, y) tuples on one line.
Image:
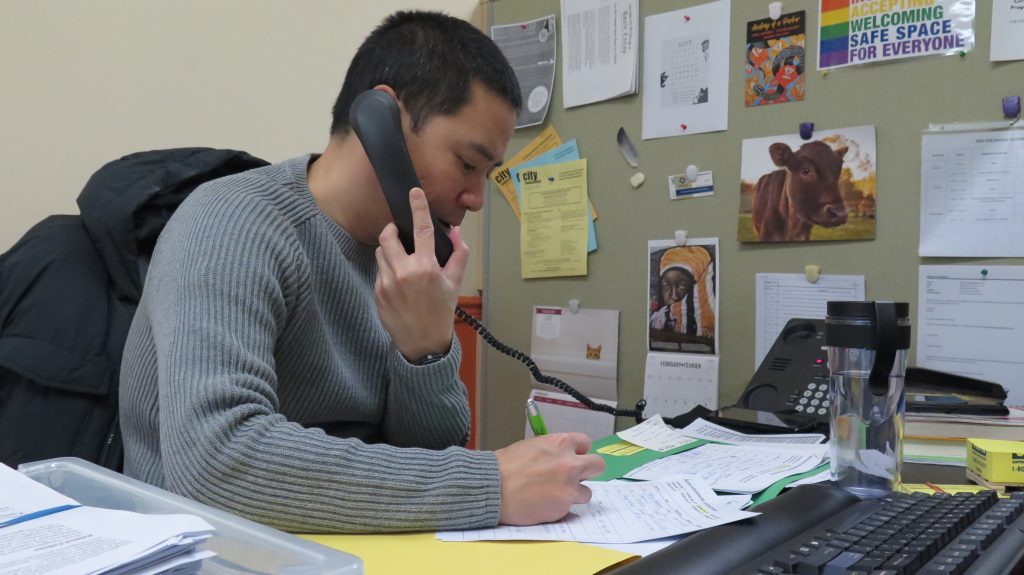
[(814, 564), (901, 535)]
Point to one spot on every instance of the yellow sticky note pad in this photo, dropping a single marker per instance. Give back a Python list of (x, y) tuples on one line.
[(621, 449), (422, 553)]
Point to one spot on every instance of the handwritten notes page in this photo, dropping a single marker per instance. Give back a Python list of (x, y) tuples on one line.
[(654, 434), (732, 468), (622, 512)]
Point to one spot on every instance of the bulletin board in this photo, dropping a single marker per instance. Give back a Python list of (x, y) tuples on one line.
[(900, 99)]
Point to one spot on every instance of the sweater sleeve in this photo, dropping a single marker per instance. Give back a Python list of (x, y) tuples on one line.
[(428, 405), (222, 284)]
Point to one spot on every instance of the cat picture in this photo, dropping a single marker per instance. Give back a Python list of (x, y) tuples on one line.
[(594, 352)]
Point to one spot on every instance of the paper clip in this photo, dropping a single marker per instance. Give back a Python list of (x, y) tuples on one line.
[(574, 305), (812, 272), (680, 237), (775, 10)]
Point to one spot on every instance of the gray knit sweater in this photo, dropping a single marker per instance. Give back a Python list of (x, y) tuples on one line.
[(258, 378)]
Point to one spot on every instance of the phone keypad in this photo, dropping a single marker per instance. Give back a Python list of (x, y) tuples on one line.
[(813, 400)]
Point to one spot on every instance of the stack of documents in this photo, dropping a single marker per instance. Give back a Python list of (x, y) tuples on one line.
[(42, 531), (669, 481)]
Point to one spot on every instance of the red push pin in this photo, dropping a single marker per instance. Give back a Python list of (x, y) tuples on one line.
[(682, 126), (686, 18)]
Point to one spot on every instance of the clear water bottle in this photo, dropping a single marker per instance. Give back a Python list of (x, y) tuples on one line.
[(867, 359)]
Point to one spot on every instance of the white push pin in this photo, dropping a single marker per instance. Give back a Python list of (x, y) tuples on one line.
[(775, 10), (691, 173), (812, 273), (637, 180), (574, 305), (680, 237)]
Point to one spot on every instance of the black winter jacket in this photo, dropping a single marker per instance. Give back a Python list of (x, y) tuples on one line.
[(68, 291)]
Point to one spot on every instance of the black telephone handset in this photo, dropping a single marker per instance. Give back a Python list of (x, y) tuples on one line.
[(377, 122)]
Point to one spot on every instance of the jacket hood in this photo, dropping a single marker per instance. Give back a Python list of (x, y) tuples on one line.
[(127, 202)]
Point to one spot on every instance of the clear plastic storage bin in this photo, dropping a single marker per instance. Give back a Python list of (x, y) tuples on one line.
[(242, 546)]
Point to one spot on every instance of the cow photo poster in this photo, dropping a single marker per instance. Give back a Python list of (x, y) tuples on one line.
[(821, 189), (682, 296), (775, 60)]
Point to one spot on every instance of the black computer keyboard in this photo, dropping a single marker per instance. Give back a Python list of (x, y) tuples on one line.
[(821, 529)]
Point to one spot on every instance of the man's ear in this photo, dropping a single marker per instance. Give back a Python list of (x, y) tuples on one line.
[(388, 89), (781, 154), (406, 121)]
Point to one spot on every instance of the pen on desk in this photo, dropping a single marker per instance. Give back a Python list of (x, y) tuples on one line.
[(535, 419)]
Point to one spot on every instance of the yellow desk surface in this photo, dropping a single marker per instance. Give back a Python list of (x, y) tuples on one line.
[(423, 554)]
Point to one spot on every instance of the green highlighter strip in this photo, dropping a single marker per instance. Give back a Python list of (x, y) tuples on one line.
[(535, 419)]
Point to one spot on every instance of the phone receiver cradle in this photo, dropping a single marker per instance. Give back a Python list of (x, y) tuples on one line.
[(377, 122)]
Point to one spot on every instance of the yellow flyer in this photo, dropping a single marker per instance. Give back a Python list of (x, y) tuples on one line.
[(547, 140), (553, 227)]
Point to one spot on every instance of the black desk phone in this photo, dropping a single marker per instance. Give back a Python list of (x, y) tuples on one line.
[(377, 122), (793, 379)]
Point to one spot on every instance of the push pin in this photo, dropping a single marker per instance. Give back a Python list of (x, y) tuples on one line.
[(775, 10), (806, 130), (963, 53), (1011, 107), (984, 274), (682, 126), (691, 173), (574, 305)]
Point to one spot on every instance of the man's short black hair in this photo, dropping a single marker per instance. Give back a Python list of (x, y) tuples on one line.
[(430, 59)]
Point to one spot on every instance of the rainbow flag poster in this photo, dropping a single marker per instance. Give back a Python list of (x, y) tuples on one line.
[(865, 31)]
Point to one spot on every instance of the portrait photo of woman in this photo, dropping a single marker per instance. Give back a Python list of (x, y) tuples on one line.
[(682, 297)]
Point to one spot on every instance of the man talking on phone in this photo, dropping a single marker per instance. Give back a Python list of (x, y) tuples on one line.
[(291, 363)]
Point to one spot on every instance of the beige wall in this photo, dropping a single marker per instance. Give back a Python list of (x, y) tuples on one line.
[(82, 83)]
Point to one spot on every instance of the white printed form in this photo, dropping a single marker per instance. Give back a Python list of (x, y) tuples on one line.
[(655, 434), (702, 429), (782, 297), (622, 512), (972, 193), (733, 468), (970, 321)]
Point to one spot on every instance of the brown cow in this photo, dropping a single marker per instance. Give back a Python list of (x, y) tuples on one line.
[(805, 192)]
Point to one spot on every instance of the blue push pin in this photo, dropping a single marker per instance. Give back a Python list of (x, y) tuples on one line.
[(984, 274), (806, 130), (1011, 107)]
